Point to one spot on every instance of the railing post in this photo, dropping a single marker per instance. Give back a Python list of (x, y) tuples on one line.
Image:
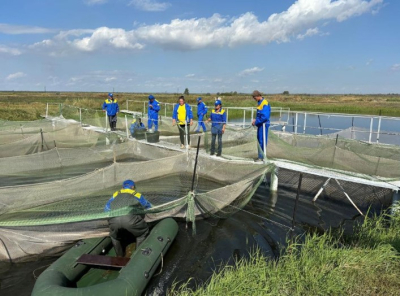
[(295, 124), (379, 129), (305, 122), (370, 130), (106, 120), (80, 115), (244, 118), (252, 115), (126, 124), (227, 115)]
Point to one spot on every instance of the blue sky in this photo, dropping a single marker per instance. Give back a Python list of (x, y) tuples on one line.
[(304, 46)]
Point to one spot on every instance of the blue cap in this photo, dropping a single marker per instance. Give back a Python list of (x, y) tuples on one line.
[(128, 184), (151, 97), (218, 102), (199, 99), (110, 95)]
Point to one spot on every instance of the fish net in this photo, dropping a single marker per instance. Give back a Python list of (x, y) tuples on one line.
[(40, 218)]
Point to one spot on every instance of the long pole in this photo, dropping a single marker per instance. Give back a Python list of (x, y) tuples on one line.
[(297, 200), (195, 163), (320, 127)]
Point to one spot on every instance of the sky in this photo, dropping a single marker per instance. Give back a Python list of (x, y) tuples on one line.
[(156, 46)]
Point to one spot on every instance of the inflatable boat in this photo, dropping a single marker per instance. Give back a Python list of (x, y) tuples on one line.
[(92, 268)]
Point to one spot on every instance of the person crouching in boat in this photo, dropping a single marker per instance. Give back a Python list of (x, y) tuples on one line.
[(132, 222), (136, 124)]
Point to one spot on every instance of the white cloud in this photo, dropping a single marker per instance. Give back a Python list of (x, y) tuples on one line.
[(308, 33), (9, 50), (190, 75), (15, 75), (369, 62), (95, 2), (150, 5), (250, 71), (15, 29), (109, 79), (102, 38), (396, 67), (215, 31)]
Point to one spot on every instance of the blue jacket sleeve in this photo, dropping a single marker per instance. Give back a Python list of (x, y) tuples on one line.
[(205, 109), (156, 107), (263, 115), (132, 128), (144, 202), (175, 112), (117, 107), (224, 118), (104, 106), (107, 208)]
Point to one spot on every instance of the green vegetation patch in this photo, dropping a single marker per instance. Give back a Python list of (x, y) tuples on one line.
[(367, 263)]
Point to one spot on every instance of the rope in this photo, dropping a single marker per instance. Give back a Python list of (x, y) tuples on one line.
[(162, 264), (33, 272), (261, 217)]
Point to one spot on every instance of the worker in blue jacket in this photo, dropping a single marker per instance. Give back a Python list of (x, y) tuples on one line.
[(111, 106), (152, 112), (183, 116), (262, 123), (201, 112), (136, 124), (133, 222), (218, 119)]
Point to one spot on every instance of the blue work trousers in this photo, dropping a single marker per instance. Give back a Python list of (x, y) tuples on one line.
[(260, 138), (219, 149), (201, 123), (150, 123)]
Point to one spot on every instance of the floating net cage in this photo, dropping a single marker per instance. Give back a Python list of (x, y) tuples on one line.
[(43, 218), (60, 212)]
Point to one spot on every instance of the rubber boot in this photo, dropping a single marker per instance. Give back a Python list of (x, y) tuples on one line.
[(119, 251)]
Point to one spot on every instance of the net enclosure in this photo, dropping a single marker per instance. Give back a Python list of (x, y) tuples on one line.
[(38, 218), (43, 218)]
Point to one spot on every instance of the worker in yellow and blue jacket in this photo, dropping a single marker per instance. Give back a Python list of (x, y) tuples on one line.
[(111, 106), (183, 115), (262, 123), (152, 113), (218, 119), (133, 222)]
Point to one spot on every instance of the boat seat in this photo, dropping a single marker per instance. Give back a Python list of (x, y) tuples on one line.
[(104, 261)]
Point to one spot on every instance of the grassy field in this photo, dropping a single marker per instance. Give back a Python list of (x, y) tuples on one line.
[(367, 263), (30, 105)]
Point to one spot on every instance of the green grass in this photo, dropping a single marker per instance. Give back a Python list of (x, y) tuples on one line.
[(387, 105), (367, 263)]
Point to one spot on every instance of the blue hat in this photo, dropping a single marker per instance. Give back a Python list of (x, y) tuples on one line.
[(128, 184), (199, 99), (218, 102), (151, 97), (110, 95)]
